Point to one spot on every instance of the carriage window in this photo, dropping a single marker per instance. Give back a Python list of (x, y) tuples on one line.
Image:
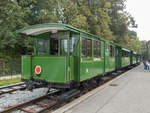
[(122, 53), (117, 52), (84, 45), (107, 47), (127, 54), (41, 45), (89, 48), (63, 47), (111, 51), (72, 44), (97, 51), (54, 44)]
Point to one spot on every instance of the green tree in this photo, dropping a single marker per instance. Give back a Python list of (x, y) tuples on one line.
[(105, 18)]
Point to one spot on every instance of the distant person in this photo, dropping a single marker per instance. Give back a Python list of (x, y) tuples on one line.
[(148, 64), (145, 65)]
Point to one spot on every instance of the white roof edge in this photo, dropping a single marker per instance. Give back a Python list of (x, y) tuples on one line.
[(125, 49), (37, 31)]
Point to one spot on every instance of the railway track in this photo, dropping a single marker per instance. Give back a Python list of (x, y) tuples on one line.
[(12, 88), (56, 98), (42, 103)]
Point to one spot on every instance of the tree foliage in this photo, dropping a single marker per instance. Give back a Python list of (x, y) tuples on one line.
[(106, 18)]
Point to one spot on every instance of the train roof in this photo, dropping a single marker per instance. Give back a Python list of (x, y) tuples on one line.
[(126, 49), (38, 29), (34, 30)]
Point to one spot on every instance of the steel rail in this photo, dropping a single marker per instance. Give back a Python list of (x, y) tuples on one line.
[(12, 88), (19, 106)]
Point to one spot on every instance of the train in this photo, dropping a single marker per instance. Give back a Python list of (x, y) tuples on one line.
[(65, 57)]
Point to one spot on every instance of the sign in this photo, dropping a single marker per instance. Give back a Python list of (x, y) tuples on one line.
[(38, 70)]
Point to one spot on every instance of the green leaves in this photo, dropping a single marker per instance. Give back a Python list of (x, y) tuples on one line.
[(105, 18)]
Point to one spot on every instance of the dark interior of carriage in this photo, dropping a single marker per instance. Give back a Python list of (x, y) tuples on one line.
[(54, 44)]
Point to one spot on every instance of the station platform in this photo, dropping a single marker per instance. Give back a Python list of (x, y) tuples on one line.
[(128, 93)]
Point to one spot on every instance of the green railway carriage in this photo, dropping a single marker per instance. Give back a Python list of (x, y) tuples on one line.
[(110, 64), (134, 57), (64, 56), (139, 58), (91, 56), (56, 58), (118, 57), (125, 61), (131, 57)]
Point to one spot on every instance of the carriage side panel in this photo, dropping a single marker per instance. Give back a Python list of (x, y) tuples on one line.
[(91, 66)]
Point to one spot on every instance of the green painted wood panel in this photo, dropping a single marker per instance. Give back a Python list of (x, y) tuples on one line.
[(54, 68), (91, 67), (110, 62), (25, 67), (125, 61)]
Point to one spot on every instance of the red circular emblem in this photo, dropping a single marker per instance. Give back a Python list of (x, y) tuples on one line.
[(38, 70)]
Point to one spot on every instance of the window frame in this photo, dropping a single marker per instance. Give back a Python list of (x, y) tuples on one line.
[(97, 49), (107, 46), (86, 47), (112, 51), (89, 48), (63, 53), (122, 53), (44, 48), (40, 52)]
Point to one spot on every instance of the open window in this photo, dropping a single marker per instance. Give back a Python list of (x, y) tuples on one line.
[(54, 44), (41, 45), (124, 54), (127, 54)]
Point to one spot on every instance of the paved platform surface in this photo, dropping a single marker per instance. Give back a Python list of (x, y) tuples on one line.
[(131, 95)]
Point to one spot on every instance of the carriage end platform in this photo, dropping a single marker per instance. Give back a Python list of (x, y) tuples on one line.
[(128, 93)]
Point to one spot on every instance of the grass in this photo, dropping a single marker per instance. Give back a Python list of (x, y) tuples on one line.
[(9, 81)]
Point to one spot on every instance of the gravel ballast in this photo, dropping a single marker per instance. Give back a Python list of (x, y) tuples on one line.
[(20, 97)]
